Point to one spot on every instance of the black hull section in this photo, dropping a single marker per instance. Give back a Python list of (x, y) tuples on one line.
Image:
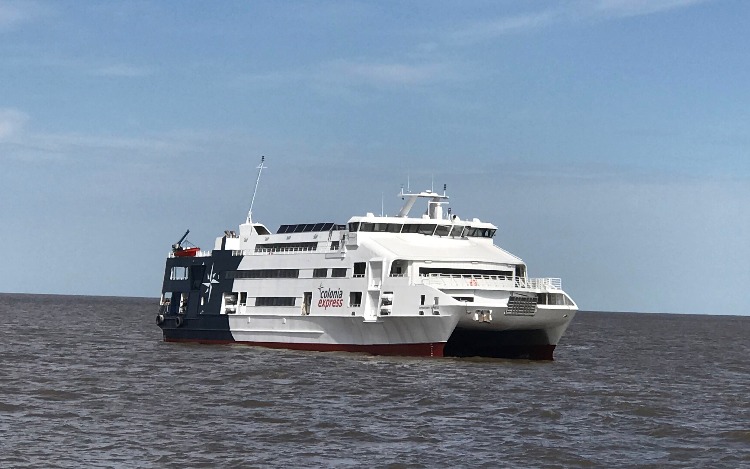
[(207, 329), (529, 344)]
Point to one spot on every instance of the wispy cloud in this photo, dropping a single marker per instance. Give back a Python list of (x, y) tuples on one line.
[(19, 141), (122, 70), (11, 123), (385, 73), (491, 29), (570, 12), (14, 13), (626, 8), (356, 73)]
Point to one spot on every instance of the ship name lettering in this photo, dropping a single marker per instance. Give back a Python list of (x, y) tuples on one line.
[(331, 298)]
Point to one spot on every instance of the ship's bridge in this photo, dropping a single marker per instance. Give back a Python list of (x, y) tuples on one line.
[(453, 227), (431, 223)]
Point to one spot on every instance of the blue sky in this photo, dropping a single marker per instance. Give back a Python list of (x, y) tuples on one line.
[(608, 139)]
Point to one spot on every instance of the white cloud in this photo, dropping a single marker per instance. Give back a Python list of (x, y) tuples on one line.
[(122, 70), (11, 123), (386, 73), (13, 13), (625, 8), (583, 10), (491, 29), (21, 143), (344, 74)]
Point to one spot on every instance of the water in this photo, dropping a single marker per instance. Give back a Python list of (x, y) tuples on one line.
[(87, 382)]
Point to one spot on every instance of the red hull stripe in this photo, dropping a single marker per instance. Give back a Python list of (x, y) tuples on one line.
[(414, 350)]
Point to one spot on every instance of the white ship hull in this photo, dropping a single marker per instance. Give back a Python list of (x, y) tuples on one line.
[(430, 286)]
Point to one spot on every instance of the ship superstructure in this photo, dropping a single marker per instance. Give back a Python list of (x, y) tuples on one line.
[(433, 285)]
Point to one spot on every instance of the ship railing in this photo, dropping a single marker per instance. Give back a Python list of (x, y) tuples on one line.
[(265, 252), (282, 250), (491, 281)]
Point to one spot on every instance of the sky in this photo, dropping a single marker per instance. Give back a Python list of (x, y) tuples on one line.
[(609, 140)]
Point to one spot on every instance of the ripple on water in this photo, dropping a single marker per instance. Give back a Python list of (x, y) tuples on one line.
[(87, 382)]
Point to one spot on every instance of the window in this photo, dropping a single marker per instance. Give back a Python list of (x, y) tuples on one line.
[(320, 273), (354, 226), (338, 273), (480, 232), (442, 230), (178, 273), (355, 299), (335, 245), (359, 269), (421, 300), (393, 228), (427, 229), (457, 231), (411, 228), (556, 299), (230, 303), (243, 298), (423, 271), (275, 301), (286, 247), (387, 298), (397, 268), (262, 273), (261, 230), (366, 226), (309, 228)]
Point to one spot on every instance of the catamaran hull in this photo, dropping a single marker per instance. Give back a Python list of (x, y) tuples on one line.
[(430, 336), (409, 336)]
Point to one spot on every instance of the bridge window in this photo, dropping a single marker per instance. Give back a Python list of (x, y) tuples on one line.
[(457, 231), (427, 229), (442, 230), (480, 232), (320, 273)]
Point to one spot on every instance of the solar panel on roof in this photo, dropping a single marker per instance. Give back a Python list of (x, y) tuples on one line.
[(309, 227)]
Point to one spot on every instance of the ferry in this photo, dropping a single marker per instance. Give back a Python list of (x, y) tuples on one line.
[(427, 285)]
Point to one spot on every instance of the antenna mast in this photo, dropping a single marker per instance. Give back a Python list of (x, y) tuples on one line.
[(252, 201)]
